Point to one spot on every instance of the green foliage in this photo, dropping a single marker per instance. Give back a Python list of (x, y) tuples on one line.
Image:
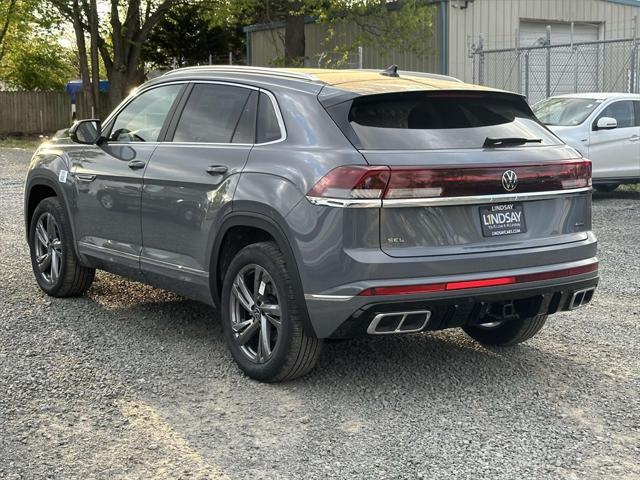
[(37, 62), (188, 34)]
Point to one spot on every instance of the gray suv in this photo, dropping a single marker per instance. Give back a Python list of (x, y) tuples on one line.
[(315, 204)]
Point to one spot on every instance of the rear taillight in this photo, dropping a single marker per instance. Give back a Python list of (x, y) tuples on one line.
[(392, 183)]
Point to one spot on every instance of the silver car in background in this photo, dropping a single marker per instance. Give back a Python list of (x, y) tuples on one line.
[(603, 127)]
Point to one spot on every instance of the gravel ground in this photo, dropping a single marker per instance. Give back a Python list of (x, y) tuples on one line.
[(131, 381)]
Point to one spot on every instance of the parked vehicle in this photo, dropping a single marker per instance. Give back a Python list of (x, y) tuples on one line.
[(604, 127), (313, 204)]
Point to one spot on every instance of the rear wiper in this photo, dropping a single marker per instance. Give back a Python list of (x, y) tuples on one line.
[(491, 142)]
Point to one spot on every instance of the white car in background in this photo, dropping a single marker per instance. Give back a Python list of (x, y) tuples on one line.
[(603, 127)]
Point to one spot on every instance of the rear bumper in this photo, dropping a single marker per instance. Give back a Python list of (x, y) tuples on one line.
[(343, 316)]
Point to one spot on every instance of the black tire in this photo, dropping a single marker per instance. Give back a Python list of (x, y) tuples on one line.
[(295, 353), (73, 278), (606, 187), (510, 332)]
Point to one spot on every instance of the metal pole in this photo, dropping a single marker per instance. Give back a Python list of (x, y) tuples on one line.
[(574, 52), (519, 78), (548, 76), (634, 57), (526, 74), (360, 57), (230, 58), (481, 60), (210, 60)]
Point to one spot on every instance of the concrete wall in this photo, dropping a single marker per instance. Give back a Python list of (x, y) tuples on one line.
[(498, 20)]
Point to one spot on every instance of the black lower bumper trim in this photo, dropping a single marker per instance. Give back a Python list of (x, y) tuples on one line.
[(471, 309)]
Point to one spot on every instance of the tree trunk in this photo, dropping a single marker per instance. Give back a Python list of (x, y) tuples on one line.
[(95, 59), (294, 39), (82, 57)]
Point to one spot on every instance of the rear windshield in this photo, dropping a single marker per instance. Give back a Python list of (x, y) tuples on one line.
[(438, 120)]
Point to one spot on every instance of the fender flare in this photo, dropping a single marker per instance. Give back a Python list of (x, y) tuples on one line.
[(269, 225), (50, 180)]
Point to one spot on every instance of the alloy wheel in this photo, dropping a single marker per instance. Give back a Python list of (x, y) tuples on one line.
[(255, 313), (48, 248)]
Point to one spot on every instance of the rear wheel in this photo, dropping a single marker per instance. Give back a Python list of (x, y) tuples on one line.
[(606, 187), (53, 258), (261, 318), (505, 333)]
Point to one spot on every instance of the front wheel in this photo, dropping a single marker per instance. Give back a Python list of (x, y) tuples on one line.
[(53, 258), (508, 332), (261, 317)]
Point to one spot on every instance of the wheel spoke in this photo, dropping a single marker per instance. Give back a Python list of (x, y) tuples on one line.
[(57, 246), (51, 227), (55, 265), (258, 281), (238, 327), (265, 338), (244, 291), (248, 333), (243, 301), (271, 309), (41, 233), (274, 321), (45, 263)]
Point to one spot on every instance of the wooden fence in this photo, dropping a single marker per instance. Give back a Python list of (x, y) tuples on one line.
[(26, 113)]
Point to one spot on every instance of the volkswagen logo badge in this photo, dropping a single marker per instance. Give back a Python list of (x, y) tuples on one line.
[(509, 180)]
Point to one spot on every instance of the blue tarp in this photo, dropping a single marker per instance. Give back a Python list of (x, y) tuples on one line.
[(75, 86)]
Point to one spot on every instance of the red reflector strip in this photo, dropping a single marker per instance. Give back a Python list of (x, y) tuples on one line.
[(489, 282)]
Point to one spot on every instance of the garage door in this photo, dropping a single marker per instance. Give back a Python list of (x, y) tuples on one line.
[(567, 66)]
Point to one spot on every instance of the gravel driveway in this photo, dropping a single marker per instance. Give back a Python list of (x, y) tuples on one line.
[(135, 382)]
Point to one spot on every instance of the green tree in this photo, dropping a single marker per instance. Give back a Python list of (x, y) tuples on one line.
[(37, 62), (187, 36)]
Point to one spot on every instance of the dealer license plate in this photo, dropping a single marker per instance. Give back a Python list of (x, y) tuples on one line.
[(502, 219)]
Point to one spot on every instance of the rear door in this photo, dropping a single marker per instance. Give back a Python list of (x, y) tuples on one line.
[(468, 172), (615, 153), (190, 181)]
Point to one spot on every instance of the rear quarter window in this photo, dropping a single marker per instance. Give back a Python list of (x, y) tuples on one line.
[(440, 120)]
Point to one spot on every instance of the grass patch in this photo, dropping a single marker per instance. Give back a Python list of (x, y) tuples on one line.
[(631, 187), (26, 142)]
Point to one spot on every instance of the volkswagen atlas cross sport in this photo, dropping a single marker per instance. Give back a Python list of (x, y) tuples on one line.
[(315, 204)]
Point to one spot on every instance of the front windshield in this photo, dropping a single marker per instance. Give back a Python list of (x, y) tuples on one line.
[(565, 111)]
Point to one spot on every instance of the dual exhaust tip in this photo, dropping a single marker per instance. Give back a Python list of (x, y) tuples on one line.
[(415, 321), (399, 322)]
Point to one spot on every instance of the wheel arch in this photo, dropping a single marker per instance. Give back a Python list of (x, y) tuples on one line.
[(39, 187), (269, 227)]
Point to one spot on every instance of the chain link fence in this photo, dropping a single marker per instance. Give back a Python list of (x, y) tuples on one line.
[(541, 71)]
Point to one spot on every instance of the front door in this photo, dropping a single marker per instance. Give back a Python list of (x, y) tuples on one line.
[(190, 181), (615, 153), (108, 179)]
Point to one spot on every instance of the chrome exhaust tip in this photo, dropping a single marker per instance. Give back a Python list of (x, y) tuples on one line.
[(580, 298), (399, 322)]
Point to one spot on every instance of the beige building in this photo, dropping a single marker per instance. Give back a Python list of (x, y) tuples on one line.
[(457, 29)]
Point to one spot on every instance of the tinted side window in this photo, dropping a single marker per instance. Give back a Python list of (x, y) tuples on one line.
[(246, 129), (211, 114), (268, 128), (622, 111), (636, 105), (142, 119)]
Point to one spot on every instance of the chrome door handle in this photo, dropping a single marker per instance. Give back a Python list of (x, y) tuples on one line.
[(136, 164), (216, 169), (85, 177), (634, 138)]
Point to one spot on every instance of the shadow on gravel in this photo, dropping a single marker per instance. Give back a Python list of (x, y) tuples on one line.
[(617, 195)]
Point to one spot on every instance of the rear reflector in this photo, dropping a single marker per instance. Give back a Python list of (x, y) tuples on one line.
[(489, 282), (377, 182)]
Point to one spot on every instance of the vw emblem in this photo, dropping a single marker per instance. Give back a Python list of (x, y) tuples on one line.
[(509, 180)]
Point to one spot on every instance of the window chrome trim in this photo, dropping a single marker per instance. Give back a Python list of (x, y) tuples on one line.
[(135, 93), (442, 201)]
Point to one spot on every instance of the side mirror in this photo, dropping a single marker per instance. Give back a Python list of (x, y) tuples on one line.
[(87, 132), (606, 123)]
